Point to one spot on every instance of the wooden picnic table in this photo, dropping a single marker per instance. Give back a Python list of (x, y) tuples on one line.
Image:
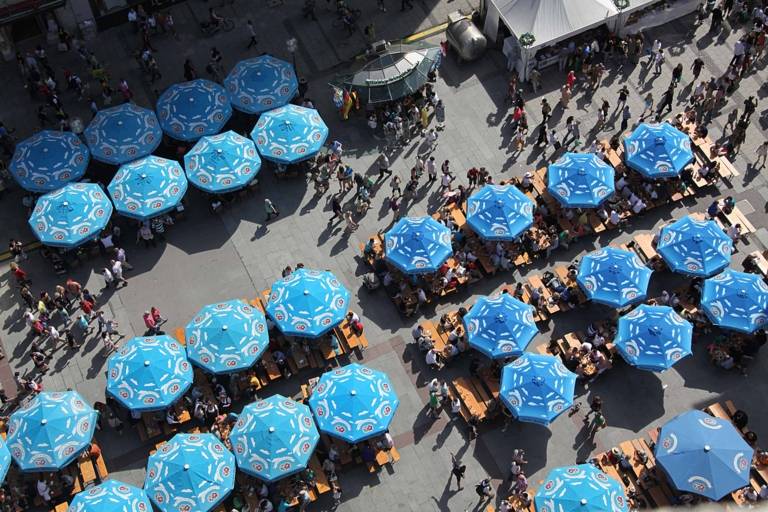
[(535, 282), (466, 392), (86, 469), (643, 244)]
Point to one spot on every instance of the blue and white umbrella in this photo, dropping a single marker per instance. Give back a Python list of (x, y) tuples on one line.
[(5, 460), (417, 245), (261, 83), (307, 303), (657, 151), (736, 300), (190, 110), (71, 215), (222, 163), (537, 387), (227, 337), (123, 133), (578, 489), (613, 277), (353, 403), (580, 180), (50, 431), (653, 337), (274, 438), (148, 187), (111, 496), (289, 134), (48, 160), (703, 455), (695, 247), (149, 373), (499, 212), (500, 326), (191, 472)]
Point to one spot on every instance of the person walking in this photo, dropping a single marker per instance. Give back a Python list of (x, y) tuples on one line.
[(623, 95), (149, 323), (253, 40), (677, 74), (565, 96), (337, 210), (647, 105), (484, 491), (658, 61), (666, 101), (546, 110), (117, 273), (270, 209), (431, 166), (457, 470), (762, 154), (626, 115), (109, 279), (595, 407), (696, 67), (598, 423), (383, 162), (535, 79), (394, 183)]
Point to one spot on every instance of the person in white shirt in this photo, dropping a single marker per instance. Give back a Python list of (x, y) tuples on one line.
[(615, 218), (734, 232), (455, 406), (638, 206), (432, 359)]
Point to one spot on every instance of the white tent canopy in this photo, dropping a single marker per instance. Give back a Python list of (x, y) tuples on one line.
[(551, 21)]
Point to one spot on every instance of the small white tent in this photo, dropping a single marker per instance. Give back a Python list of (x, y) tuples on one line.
[(550, 21)]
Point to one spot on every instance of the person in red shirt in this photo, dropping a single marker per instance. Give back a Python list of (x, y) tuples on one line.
[(150, 323), (570, 79), (19, 274), (87, 307)]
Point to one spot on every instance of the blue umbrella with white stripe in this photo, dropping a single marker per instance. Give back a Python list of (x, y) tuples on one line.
[(5, 460), (653, 337), (536, 388), (222, 163), (227, 336), (307, 303), (190, 110), (71, 216), (149, 373), (613, 277), (703, 455), (148, 187), (111, 496), (417, 245), (123, 133), (191, 472), (261, 83), (289, 134), (736, 300), (354, 403), (657, 150), (48, 160), (274, 438), (50, 431), (499, 212), (695, 247), (580, 488), (580, 180), (500, 327)]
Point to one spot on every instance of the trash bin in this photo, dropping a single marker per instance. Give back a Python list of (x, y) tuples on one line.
[(468, 41)]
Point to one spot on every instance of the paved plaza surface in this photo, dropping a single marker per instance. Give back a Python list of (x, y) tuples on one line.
[(236, 254)]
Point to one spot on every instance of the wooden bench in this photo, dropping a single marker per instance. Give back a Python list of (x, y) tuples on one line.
[(346, 336), (180, 335), (643, 246), (464, 411), (101, 468), (321, 480), (470, 397), (737, 217), (61, 507), (86, 470), (639, 470)]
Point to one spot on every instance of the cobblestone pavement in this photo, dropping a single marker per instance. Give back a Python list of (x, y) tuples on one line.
[(235, 254)]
